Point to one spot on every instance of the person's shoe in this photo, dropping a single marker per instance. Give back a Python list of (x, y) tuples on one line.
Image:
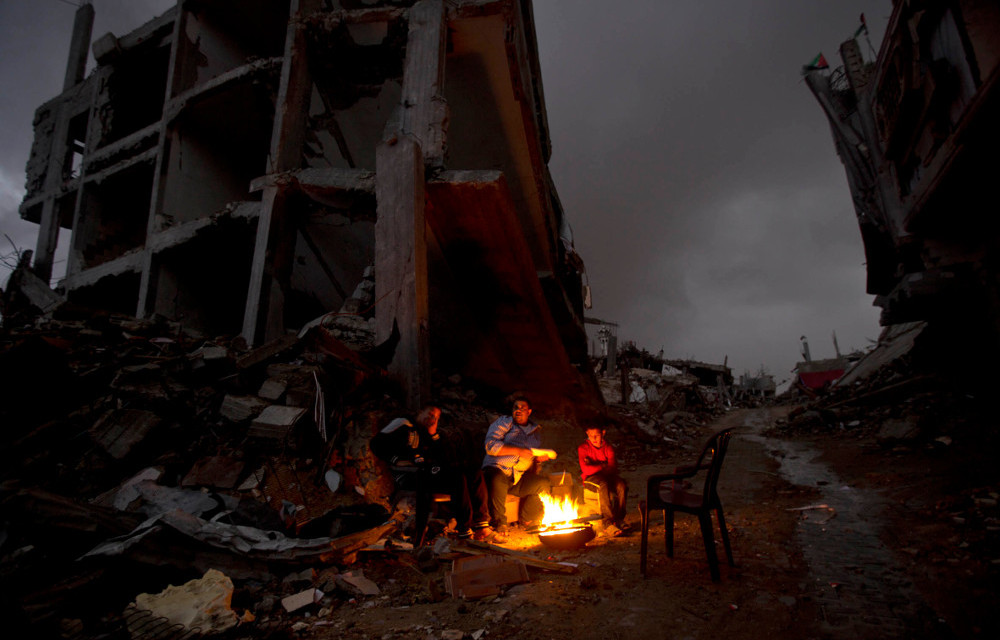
[(499, 535), (465, 534), (612, 531)]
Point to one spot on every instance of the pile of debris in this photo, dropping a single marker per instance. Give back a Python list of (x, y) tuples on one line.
[(661, 408), (137, 455), (904, 392), (920, 403)]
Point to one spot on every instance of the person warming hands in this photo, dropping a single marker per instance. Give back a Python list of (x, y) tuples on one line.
[(513, 446)]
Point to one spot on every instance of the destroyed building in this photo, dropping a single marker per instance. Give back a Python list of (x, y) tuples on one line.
[(917, 131), (246, 167), (708, 374)]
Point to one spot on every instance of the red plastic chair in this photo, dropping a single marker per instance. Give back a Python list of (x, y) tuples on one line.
[(672, 492)]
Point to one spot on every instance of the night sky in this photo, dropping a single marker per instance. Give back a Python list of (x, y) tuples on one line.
[(696, 169)]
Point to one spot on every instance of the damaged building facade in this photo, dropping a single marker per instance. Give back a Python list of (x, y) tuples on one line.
[(917, 131), (248, 167)]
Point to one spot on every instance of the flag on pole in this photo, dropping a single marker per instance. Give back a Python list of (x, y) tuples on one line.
[(863, 28), (819, 62)]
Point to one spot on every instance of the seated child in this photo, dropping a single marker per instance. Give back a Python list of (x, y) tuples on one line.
[(600, 473)]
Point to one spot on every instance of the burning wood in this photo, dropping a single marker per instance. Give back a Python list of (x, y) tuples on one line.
[(559, 511), (562, 527)]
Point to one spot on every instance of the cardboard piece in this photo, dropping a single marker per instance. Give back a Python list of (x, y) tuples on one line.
[(482, 576)]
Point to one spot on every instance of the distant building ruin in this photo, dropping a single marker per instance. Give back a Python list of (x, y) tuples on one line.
[(246, 167), (918, 132)]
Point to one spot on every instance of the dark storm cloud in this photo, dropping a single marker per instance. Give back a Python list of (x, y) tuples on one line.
[(700, 175), (697, 170)]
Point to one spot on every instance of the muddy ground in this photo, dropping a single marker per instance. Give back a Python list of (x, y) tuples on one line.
[(879, 553)]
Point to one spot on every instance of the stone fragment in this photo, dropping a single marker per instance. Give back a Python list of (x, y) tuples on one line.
[(301, 599), (202, 604), (240, 408)]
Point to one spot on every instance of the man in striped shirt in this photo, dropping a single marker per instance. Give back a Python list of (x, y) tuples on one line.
[(512, 450)]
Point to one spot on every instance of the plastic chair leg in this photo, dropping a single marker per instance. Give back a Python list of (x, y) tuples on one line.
[(724, 532), (643, 544), (668, 532), (705, 518)]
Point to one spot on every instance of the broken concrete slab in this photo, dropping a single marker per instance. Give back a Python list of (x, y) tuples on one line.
[(220, 472), (157, 499), (253, 480), (359, 583), (272, 389), (903, 431), (301, 599), (275, 422), (119, 432), (128, 492), (240, 408), (202, 604), (25, 289)]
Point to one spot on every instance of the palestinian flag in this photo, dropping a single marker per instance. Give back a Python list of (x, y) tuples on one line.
[(819, 62), (863, 28)]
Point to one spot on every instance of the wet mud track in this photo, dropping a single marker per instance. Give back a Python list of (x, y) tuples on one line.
[(860, 585)]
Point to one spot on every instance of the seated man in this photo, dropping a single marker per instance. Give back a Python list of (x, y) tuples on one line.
[(600, 474), (436, 466), (512, 450)]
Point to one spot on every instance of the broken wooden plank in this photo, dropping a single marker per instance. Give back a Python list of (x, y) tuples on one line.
[(267, 351), (474, 546), (345, 546)]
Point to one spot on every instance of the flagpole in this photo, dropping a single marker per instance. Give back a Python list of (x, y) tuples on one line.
[(870, 47)]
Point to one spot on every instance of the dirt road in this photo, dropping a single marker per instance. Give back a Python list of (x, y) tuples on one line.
[(808, 537)]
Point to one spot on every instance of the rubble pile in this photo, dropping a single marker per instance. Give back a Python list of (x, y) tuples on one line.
[(928, 399), (662, 409), (916, 392), (139, 455)]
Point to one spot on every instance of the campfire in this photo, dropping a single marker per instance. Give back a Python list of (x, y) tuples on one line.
[(562, 528)]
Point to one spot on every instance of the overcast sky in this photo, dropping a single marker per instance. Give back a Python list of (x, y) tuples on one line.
[(695, 167)]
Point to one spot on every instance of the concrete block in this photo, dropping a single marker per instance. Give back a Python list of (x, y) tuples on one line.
[(240, 408), (301, 599), (275, 422), (272, 389)]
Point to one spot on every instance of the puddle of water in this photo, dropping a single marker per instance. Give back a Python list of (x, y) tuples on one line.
[(853, 573)]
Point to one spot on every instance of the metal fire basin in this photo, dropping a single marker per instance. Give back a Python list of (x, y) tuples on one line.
[(567, 539)]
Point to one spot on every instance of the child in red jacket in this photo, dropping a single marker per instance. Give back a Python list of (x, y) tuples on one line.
[(600, 473)]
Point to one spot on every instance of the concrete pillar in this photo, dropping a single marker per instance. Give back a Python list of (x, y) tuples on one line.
[(274, 249), (425, 112), (48, 227), (79, 47), (401, 264)]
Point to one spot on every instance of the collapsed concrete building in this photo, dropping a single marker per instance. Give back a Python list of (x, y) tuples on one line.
[(245, 168), (917, 131)]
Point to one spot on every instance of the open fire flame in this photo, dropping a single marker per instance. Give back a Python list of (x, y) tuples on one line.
[(560, 512)]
